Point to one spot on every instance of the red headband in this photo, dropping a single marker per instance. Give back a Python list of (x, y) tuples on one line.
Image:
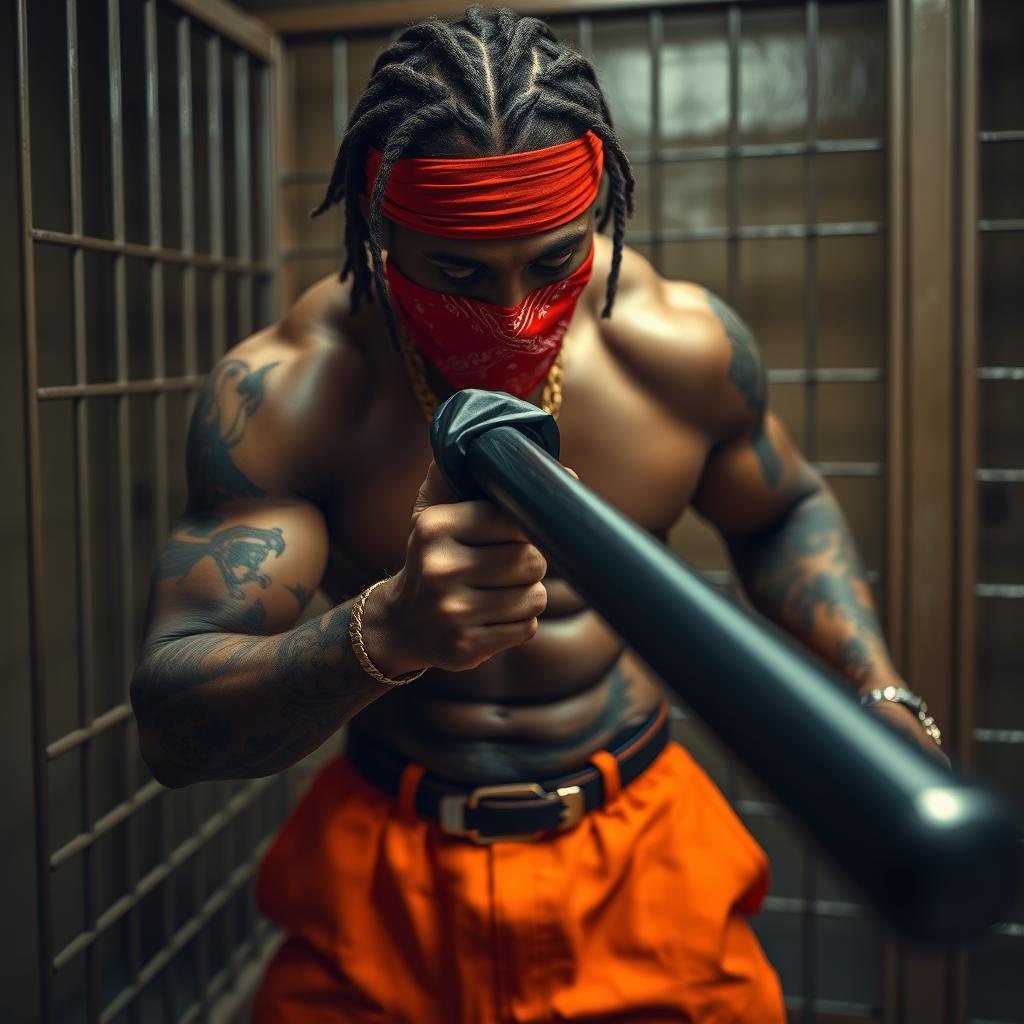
[(492, 196)]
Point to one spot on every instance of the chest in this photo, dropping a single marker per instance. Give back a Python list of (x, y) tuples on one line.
[(636, 455)]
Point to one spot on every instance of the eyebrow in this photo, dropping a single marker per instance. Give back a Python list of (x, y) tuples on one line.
[(465, 261)]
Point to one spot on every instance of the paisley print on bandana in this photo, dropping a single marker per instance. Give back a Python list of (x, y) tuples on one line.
[(476, 344)]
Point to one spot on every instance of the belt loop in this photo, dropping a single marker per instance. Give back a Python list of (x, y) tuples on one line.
[(606, 764), (411, 775)]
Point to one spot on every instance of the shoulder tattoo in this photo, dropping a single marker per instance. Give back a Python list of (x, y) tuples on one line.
[(747, 374), (232, 394)]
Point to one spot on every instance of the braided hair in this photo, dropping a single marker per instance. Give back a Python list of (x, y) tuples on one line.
[(489, 83)]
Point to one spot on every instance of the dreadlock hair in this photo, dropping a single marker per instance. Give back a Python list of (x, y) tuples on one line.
[(489, 83)]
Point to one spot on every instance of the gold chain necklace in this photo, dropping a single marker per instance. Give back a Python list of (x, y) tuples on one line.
[(550, 401)]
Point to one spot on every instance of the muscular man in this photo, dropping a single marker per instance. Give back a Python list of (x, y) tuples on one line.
[(309, 466)]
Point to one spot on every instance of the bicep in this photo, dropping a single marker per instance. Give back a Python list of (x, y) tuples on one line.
[(750, 482), (251, 568), (754, 472), (247, 554)]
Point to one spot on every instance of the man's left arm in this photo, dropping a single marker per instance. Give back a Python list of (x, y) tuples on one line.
[(788, 539)]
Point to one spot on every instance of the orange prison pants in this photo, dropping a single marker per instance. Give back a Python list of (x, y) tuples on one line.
[(636, 915)]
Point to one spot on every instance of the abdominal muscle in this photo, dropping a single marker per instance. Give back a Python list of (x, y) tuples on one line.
[(537, 711)]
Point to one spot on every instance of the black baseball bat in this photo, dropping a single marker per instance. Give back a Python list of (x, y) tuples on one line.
[(939, 857)]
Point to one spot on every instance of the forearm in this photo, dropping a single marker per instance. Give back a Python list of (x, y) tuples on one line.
[(221, 705), (806, 576)]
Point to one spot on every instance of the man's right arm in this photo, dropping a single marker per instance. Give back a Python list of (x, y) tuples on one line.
[(227, 685)]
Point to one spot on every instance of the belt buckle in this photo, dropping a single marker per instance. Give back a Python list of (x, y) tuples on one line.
[(452, 817)]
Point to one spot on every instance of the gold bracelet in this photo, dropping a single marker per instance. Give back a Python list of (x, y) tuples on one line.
[(355, 636)]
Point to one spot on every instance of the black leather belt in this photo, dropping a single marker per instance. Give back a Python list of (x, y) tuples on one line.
[(514, 810)]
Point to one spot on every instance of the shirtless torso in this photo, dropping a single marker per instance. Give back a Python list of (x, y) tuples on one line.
[(306, 457), (537, 710)]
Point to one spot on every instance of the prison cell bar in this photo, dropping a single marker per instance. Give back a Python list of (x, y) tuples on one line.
[(159, 412), (93, 725), (974, 144), (809, 444)]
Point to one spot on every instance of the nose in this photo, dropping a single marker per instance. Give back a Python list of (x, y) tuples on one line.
[(507, 290)]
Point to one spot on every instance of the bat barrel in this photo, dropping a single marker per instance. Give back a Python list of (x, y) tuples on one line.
[(938, 857)]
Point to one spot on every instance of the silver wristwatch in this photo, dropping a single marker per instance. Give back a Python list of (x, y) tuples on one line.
[(901, 695)]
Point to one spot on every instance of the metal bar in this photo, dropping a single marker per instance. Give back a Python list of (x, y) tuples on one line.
[(216, 180), (339, 83), (216, 200), (811, 312), (252, 34), (161, 872), (285, 153), (58, 392), (752, 232), (1011, 736), (1002, 476), (156, 271), (124, 465), (34, 529), (896, 291), (835, 1011), (219, 981), (159, 410), (1004, 136), (286, 178), (1001, 591), (385, 14), (101, 724), (923, 62), (270, 307), (306, 252), (1001, 225), (683, 154), (146, 252), (826, 908), (723, 234), (243, 299), (229, 846), (202, 947), (243, 188), (733, 168), (757, 808), (110, 820), (761, 231), (238, 878), (848, 469), (186, 172), (655, 41), (585, 34), (826, 375), (1001, 373), (83, 517), (1015, 929), (732, 186), (808, 928), (753, 150)]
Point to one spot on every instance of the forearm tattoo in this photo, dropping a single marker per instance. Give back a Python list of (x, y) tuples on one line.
[(805, 575), (207, 699), (747, 374)]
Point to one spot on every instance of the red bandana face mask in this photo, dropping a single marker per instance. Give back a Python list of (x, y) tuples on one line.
[(475, 344)]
